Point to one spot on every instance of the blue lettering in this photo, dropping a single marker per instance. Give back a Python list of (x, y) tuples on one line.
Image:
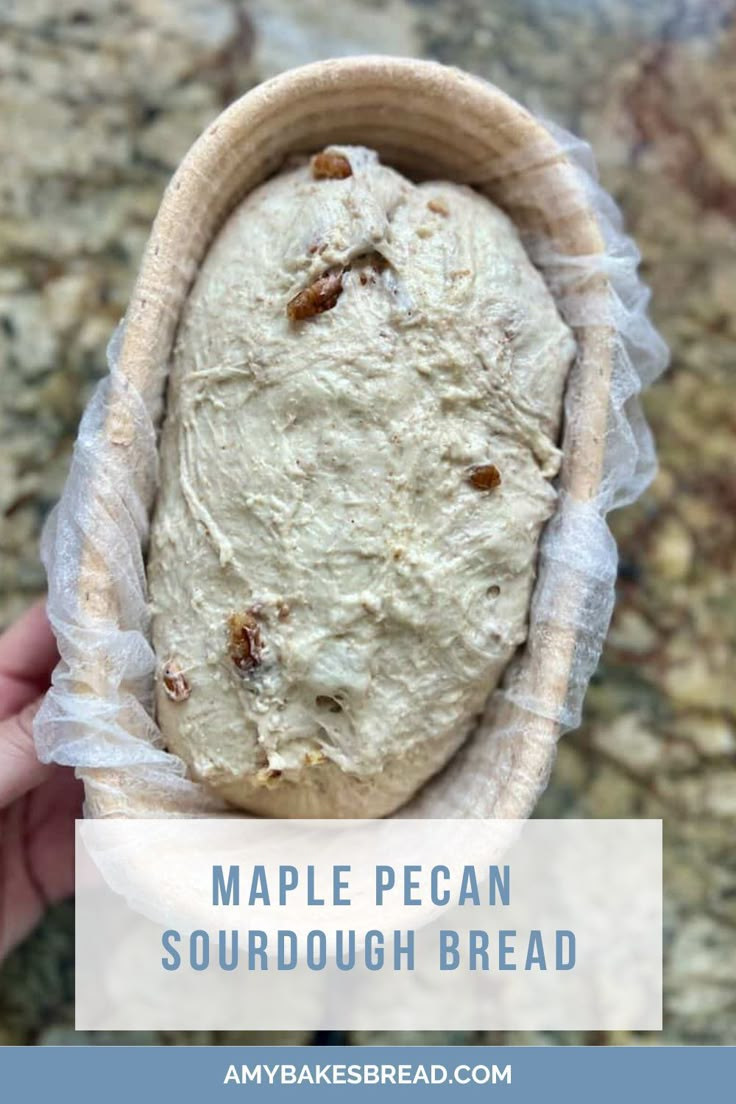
[(231, 962), (479, 941), (257, 941), (404, 949), (374, 955), (410, 884), (286, 958), (469, 887), (449, 954), (168, 939), (437, 897), (316, 950), (505, 949), (312, 898), (288, 880), (345, 957), (226, 893), (385, 880), (259, 887), (501, 881), (339, 884), (535, 951), (199, 950), (565, 962)]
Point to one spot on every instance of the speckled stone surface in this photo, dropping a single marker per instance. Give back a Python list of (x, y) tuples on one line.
[(99, 101)]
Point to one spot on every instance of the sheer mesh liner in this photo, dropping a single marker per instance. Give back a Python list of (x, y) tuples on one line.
[(97, 716)]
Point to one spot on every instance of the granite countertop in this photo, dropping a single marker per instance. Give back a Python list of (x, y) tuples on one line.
[(100, 101)]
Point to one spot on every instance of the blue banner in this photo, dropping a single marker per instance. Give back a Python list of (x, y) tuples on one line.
[(123, 1075)]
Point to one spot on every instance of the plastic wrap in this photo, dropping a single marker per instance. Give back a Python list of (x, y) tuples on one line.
[(97, 716)]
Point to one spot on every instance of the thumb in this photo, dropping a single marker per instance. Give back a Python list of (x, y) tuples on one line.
[(20, 769)]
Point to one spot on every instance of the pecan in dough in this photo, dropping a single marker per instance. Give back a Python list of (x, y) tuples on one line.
[(319, 297), (330, 166)]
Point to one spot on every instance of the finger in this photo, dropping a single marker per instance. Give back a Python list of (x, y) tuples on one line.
[(28, 648), (54, 807), (20, 769), (28, 654), (37, 854)]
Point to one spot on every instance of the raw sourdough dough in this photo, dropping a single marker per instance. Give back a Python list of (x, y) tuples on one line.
[(334, 592)]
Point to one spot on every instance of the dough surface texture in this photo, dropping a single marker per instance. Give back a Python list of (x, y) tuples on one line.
[(356, 465)]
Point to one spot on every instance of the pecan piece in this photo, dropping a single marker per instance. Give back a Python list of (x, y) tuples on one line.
[(314, 758), (484, 477), (268, 777), (244, 641), (439, 206), (326, 701), (330, 166), (319, 297), (176, 686)]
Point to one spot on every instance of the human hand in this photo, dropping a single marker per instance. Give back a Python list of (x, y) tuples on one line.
[(38, 802)]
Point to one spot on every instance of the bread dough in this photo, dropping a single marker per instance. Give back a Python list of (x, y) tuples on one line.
[(343, 548)]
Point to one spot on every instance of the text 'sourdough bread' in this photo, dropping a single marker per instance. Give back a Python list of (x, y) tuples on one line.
[(355, 468)]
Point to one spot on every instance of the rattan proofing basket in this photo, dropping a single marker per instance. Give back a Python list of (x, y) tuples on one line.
[(428, 121)]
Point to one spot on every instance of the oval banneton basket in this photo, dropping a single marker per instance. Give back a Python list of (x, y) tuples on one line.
[(429, 122)]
